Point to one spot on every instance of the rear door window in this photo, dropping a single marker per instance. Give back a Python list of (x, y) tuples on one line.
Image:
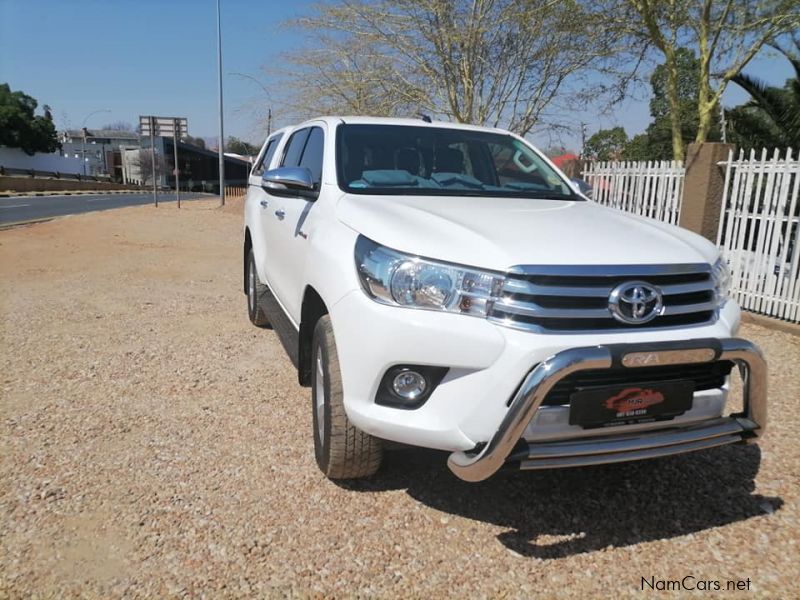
[(266, 159), (294, 148), (312, 154)]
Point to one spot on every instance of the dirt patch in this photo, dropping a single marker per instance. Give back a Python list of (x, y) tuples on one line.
[(155, 444)]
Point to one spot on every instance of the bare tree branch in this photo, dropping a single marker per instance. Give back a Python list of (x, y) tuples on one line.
[(495, 62)]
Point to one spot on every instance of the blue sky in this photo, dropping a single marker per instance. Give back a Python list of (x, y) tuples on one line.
[(159, 57)]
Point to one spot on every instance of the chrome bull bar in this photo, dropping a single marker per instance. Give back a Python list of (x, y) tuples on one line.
[(504, 447)]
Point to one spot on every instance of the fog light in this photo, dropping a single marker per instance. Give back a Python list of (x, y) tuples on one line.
[(409, 385)]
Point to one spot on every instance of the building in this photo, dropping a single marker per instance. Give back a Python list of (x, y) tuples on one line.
[(14, 160), (99, 149), (199, 168)]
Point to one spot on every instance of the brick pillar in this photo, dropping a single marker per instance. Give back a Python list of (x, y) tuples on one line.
[(703, 188)]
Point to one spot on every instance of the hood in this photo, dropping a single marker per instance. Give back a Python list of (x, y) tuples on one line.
[(497, 233)]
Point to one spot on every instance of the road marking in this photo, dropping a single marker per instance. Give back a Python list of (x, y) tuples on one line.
[(14, 205), (97, 199)]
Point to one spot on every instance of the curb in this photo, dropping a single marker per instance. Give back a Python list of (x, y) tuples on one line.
[(4, 226), (7, 194)]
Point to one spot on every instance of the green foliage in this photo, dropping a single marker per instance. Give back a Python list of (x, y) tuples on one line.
[(606, 144), (20, 128), (195, 141), (237, 146), (656, 142), (659, 132), (771, 118), (638, 148), (688, 82)]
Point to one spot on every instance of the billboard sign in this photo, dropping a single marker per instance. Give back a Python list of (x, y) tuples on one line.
[(164, 126)]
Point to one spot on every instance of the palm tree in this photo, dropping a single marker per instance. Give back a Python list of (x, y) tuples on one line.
[(771, 118)]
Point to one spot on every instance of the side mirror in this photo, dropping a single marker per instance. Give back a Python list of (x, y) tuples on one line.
[(288, 178), (580, 186)]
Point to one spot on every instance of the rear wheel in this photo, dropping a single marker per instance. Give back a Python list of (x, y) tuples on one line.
[(255, 291), (342, 451)]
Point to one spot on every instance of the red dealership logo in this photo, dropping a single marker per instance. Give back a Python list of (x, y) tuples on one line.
[(634, 399)]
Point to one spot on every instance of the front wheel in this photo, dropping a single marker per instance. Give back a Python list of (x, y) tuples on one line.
[(255, 291), (342, 451)]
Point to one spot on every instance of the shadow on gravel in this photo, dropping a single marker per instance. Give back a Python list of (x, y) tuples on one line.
[(554, 514)]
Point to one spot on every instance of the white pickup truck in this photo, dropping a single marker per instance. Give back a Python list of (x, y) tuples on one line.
[(446, 286)]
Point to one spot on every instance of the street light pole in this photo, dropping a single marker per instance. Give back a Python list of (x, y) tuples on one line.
[(266, 91), (83, 133), (221, 133)]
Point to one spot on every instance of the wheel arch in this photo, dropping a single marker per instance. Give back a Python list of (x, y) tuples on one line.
[(312, 309), (248, 244)]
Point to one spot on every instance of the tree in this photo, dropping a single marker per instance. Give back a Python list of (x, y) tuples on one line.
[(143, 160), (20, 128), (666, 115), (771, 119), (658, 142), (237, 146), (486, 62), (606, 144), (118, 126), (638, 148), (726, 35), (195, 141)]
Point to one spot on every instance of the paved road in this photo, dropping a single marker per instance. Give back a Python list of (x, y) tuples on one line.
[(19, 209)]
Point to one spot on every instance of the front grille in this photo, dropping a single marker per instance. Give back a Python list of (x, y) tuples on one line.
[(576, 298), (706, 376)]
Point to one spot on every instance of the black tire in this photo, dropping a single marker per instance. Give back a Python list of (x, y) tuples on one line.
[(341, 450), (255, 292)]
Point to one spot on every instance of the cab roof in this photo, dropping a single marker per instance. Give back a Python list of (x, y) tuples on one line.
[(360, 120)]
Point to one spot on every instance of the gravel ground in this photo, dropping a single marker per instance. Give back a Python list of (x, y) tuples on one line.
[(155, 444)]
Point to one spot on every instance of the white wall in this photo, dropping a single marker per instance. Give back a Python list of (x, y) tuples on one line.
[(14, 158), (131, 173)]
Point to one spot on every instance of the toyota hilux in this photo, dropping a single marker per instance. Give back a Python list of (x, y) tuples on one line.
[(446, 286)]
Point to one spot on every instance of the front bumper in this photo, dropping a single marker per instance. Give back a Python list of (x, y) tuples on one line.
[(487, 363), (507, 445)]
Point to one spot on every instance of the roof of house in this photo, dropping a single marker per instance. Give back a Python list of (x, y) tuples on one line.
[(564, 158)]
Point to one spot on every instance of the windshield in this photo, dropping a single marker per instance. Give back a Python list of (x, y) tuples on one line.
[(401, 159)]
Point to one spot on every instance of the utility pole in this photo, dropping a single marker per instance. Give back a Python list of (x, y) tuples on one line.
[(583, 140), (266, 91), (221, 133), (83, 128), (153, 156), (83, 150), (175, 128)]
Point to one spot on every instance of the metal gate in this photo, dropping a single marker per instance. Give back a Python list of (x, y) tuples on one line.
[(758, 231)]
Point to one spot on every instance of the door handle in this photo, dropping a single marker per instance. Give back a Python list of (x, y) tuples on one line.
[(264, 204), (280, 214)]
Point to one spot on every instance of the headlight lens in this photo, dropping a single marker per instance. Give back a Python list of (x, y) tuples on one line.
[(393, 277), (722, 280)]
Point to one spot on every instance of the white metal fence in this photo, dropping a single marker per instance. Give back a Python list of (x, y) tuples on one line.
[(759, 230), (759, 227), (648, 188)]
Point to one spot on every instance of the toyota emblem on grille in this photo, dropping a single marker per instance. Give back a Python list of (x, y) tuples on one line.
[(635, 302)]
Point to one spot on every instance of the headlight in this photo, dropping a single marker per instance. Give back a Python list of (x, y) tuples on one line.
[(722, 280), (400, 279)]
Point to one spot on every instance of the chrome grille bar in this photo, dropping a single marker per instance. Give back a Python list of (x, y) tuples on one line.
[(574, 297), (531, 309)]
